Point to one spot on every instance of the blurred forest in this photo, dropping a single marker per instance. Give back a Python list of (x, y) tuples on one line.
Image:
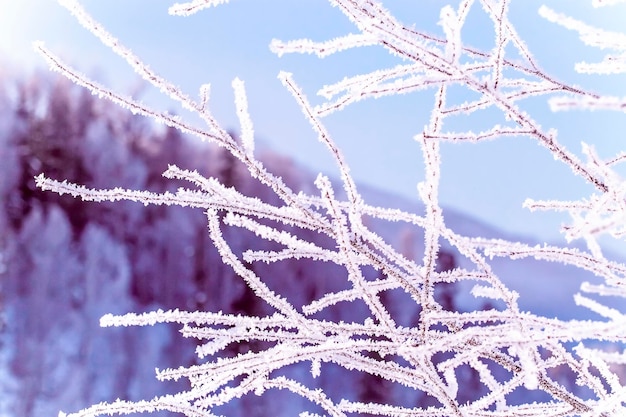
[(64, 262)]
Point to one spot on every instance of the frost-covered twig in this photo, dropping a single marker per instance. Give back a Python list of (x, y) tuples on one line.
[(507, 349)]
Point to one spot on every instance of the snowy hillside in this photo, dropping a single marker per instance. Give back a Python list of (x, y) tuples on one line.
[(66, 262)]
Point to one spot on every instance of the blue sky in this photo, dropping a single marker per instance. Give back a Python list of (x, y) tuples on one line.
[(488, 180)]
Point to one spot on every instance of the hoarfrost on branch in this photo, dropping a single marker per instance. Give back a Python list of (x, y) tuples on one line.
[(509, 349)]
